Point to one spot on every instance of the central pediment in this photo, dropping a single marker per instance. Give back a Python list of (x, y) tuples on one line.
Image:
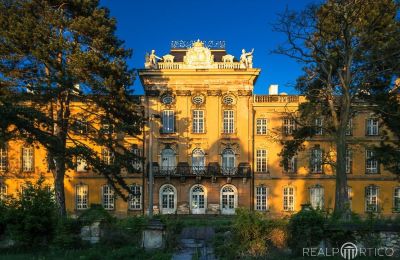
[(198, 56)]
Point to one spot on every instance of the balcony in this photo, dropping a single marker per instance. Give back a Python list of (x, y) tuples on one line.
[(202, 171)]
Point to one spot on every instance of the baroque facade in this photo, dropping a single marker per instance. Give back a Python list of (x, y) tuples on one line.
[(214, 147)]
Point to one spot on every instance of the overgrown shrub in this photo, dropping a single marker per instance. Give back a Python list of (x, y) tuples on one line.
[(31, 217), (95, 213), (174, 227), (306, 229), (67, 234)]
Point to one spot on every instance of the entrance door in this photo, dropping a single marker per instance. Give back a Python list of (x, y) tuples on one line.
[(228, 200), (198, 200), (167, 199)]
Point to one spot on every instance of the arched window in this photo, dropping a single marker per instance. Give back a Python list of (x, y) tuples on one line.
[(228, 161), (168, 159), (198, 199), (198, 161), (167, 199), (229, 199)]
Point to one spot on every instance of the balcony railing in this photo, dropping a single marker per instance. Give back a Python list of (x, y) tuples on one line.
[(214, 65), (276, 98), (206, 171)]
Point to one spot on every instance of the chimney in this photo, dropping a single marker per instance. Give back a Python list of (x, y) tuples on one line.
[(273, 89)]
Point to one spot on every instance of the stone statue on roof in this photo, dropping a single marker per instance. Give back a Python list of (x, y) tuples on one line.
[(246, 59), (151, 60)]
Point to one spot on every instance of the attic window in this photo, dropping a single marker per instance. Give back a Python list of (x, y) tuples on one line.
[(228, 100), (198, 100)]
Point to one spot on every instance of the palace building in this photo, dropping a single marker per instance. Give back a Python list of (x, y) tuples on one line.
[(213, 146)]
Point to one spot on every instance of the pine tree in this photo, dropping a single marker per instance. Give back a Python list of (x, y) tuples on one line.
[(56, 55), (349, 50)]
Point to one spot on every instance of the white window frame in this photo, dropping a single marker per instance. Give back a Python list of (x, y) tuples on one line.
[(81, 164), (371, 165), (262, 126), (316, 160), (198, 160), (81, 196), (168, 195), (371, 198), (317, 197), (28, 163), (289, 125), (372, 127), (107, 156), (229, 121), (108, 197), (228, 161), (319, 122), (168, 121), (228, 192), (136, 162), (135, 199), (3, 191), (198, 199), (289, 198), (198, 121), (292, 165), (396, 199), (261, 198), (3, 158), (261, 160)]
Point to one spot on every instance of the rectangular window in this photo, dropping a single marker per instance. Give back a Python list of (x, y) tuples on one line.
[(350, 196), (396, 199), (107, 128), (108, 197), (136, 162), (288, 199), (372, 126), (289, 125), (349, 160), (81, 165), (81, 196), (261, 198), (229, 125), (261, 160), (198, 121), (80, 126), (135, 197), (349, 128), (316, 160), (3, 158), (371, 199), (3, 191), (27, 159), (318, 126), (291, 166), (317, 197), (107, 156), (371, 163), (262, 126), (168, 121)]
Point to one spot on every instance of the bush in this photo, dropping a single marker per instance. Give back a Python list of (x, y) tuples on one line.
[(306, 229), (67, 234), (95, 213), (31, 218)]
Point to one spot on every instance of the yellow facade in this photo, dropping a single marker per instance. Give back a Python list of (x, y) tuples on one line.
[(215, 147)]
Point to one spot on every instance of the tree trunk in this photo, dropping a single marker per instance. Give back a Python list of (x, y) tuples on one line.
[(342, 209), (58, 175)]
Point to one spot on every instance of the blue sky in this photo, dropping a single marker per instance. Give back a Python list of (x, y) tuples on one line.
[(153, 24)]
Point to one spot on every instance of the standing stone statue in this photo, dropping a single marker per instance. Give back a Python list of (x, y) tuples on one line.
[(151, 60), (246, 59)]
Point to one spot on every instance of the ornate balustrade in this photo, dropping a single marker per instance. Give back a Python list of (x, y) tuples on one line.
[(202, 171), (214, 65), (276, 98)]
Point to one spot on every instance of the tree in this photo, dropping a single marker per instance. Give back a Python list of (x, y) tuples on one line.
[(57, 56), (349, 49)]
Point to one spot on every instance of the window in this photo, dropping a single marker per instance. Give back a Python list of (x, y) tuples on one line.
[(229, 125), (372, 127), (228, 199), (108, 197), (371, 198), (349, 160), (262, 126), (350, 196), (27, 159), (316, 160), (349, 128), (80, 126), (318, 126), (228, 100), (107, 156), (317, 197), (167, 99), (228, 161), (81, 165), (288, 199), (198, 100), (3, 191), (396, 199), (3, 158), (289, 125), (198, 121), (261, 198), (371, 163), (81, 196), (198, 199), (136, 161), (198, 160), (261, 160), (291, 166), (167, 199), (135, 197), (107, 128), (168, 160), (168, 121)]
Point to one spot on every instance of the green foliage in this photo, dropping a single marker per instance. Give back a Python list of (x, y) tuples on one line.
[(174, 226), (67, 234), (31, 218), (306, 229), (96, 213)]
